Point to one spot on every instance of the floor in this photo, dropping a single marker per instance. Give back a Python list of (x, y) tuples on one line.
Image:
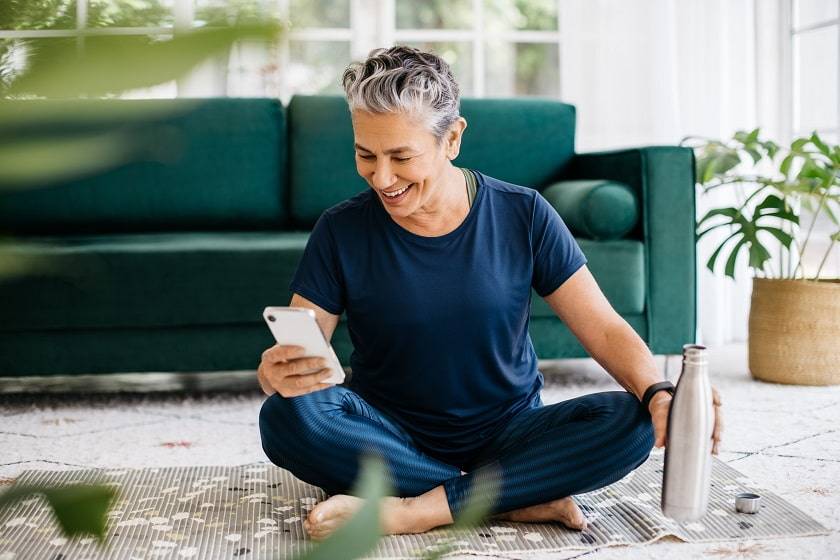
[(785, 437)]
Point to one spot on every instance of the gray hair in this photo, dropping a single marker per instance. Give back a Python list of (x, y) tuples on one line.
[(405, 79)]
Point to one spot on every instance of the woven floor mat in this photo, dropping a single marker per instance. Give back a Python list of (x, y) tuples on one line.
[(256, 511)]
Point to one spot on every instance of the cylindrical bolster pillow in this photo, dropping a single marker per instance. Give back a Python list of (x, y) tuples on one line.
[(594, 209)]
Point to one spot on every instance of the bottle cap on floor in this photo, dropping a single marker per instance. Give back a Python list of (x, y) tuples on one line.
[(747, 503)]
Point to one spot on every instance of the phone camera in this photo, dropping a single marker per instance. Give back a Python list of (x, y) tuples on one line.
[(271, 318)]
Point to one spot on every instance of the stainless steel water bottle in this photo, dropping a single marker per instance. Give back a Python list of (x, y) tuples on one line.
[(688, 446)]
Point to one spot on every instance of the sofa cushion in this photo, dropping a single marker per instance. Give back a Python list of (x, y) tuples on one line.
[(619, 268), (595, 209), (524, 141), (206, 278), (150, 280), (218, 164)]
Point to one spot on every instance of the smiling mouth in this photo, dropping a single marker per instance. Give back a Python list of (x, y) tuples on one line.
[(396, 193)]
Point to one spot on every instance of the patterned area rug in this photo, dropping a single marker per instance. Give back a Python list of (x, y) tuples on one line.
[(256, 511)]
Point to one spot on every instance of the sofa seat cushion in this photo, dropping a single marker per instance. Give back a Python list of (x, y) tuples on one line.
[(619, 268), (150, 280), (209, 278)]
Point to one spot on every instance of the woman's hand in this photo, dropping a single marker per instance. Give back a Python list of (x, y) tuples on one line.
[(659, 406), (285, 370)]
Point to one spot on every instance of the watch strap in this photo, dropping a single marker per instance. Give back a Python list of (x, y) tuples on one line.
[(655, 388)]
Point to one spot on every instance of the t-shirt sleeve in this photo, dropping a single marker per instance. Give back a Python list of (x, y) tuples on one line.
[(318, 276), (556, 253)]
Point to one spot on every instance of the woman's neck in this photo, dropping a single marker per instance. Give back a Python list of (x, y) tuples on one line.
[(439, 217)]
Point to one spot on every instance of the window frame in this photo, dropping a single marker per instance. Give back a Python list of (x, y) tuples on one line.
[(790, 64), (372, 24)]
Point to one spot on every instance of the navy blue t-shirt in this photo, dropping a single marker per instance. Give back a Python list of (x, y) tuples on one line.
[(439, 325)]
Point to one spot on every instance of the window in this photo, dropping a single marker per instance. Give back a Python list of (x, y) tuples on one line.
[(495, 47), (815, 37), (815, 74)]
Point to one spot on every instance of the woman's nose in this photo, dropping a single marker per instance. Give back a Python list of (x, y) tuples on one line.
[(383, 177)]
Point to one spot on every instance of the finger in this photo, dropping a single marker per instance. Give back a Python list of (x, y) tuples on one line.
[(716, 434), (302, 366), (282, 353), (660, 435), (309, 380)]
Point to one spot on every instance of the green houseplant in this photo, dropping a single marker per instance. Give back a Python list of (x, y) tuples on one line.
[(794, 319)]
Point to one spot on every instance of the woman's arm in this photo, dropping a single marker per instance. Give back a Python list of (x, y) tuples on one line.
[(326, 320), (604, 334)]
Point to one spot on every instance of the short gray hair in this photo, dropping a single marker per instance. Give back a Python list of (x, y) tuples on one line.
[(405, 79)]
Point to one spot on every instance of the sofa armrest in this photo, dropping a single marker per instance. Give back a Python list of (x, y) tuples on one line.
[(663, 180)]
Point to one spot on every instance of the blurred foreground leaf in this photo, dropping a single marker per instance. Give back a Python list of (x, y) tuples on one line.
[(80, 508), (49, 159), (482, 496), (113, 63), (359, 535)]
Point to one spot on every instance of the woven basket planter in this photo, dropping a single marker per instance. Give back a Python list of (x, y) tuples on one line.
[(794, 331)]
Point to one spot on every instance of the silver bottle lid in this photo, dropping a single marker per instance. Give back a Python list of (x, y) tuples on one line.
[(747, 503), (695, 354)]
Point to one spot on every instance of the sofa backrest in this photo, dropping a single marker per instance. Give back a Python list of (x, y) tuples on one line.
[(214, 164), (526, 141)]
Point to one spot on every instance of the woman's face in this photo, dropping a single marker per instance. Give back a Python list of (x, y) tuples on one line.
[(393, 152)]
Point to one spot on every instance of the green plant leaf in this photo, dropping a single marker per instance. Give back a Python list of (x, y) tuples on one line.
[(784, 238), (754, 154), (729, 212), (113, 63), (786, 163), (771, 201), (31, 163), (821, 146), (713, 160), (772, 148), (45, 113), (710, 264), (798, 144), (79, 508), (753, 136), (481, 497), (704, 232), (758, 254), (730, 262), (810, 169), (360, 534)]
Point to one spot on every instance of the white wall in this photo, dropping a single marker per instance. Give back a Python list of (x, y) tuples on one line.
[(647, 72)]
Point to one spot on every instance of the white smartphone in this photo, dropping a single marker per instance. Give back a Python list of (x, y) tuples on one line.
[(297, 326)]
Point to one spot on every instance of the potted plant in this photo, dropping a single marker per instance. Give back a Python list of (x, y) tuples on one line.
[(794, 320)]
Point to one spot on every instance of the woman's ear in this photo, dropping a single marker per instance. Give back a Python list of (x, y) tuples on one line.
[(453, 137)]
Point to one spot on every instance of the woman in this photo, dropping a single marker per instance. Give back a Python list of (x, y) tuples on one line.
[(434, 266)]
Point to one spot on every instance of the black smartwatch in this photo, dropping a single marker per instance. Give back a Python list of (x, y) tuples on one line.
[(655, 388)]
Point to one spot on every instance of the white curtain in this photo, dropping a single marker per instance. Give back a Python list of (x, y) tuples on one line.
[(645, 72)]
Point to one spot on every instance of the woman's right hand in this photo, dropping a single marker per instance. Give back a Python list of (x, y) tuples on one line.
[(285, 370)]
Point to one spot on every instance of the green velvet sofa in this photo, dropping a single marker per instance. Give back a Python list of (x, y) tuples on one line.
[(165, 264)]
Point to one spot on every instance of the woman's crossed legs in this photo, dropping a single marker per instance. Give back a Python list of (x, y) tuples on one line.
[(540, 458)]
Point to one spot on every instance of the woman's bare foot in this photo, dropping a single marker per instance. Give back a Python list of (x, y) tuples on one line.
[(564, 510), (332, 513)]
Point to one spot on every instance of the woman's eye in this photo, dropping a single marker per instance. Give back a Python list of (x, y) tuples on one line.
[(374, 157)]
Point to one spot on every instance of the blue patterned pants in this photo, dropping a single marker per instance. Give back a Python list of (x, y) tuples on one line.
[(542, 454)]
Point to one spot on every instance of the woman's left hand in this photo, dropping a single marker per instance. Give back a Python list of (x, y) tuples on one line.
[(660, 404)]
